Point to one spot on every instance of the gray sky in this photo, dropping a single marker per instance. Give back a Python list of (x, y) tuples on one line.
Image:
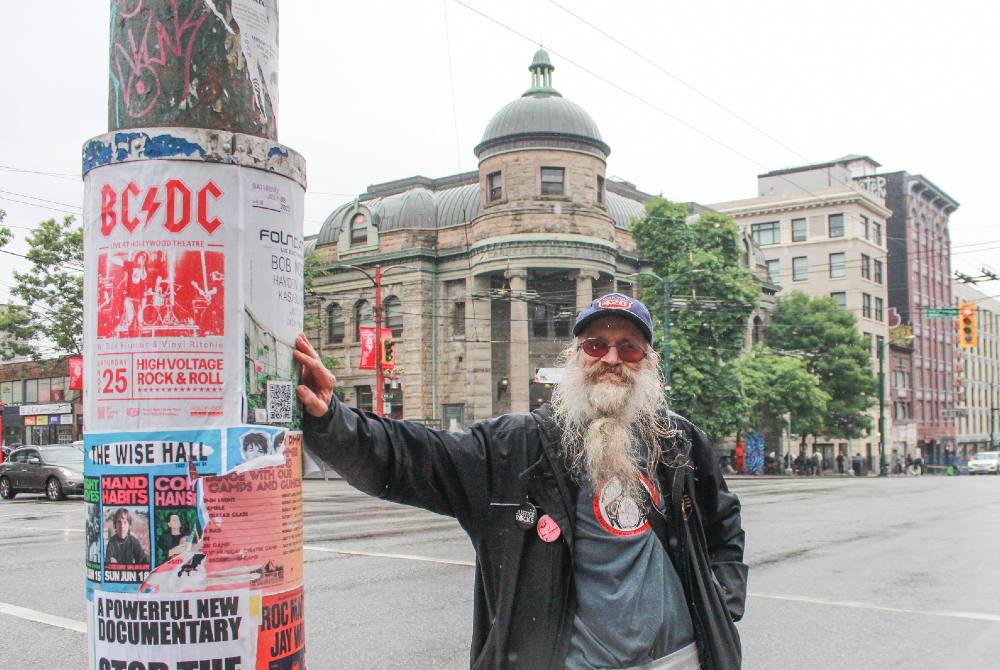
[(378, 90)]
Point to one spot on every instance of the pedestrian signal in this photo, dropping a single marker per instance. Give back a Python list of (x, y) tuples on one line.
[(968, 335), (388, 353)]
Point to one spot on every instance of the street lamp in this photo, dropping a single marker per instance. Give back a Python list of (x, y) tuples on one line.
[(377, 283)]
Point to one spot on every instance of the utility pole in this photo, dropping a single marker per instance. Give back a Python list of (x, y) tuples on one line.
[(993, 414), (193, 299), (379, 381), (883, 466)]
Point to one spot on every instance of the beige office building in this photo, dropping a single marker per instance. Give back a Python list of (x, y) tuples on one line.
[(977, 424), (821, 228)]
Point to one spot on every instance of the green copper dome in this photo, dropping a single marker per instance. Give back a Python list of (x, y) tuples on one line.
[(541, 114)]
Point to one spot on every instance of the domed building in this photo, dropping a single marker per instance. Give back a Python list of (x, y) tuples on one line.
[(483, 271)]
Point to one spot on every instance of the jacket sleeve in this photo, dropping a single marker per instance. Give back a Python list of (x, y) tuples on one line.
[(405, 462), (720, 513)]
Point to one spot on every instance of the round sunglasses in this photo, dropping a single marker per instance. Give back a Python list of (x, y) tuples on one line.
[(598, 348)]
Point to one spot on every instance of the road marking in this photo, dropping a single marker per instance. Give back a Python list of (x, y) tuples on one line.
[(375, 554), (978, 616), (42, 617)]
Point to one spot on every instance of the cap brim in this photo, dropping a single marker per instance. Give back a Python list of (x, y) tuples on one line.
[(643, 328)]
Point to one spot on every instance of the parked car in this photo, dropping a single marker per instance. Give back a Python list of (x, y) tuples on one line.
[(55, 470), (985, 462)]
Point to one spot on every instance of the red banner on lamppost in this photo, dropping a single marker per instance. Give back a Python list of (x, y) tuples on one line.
[(371, 352), (76, 373)]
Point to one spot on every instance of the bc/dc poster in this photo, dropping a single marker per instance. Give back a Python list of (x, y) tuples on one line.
[(193, 299)]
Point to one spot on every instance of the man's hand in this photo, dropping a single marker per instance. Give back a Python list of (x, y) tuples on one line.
[(316, 389)]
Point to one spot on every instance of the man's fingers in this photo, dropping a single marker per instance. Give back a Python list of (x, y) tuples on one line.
[(302, 344), (310, 401)]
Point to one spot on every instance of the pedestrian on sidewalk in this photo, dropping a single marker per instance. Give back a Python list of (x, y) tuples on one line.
[(569, 507), (840, 463)]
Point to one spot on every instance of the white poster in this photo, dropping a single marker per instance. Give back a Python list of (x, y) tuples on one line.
[(192, 295)]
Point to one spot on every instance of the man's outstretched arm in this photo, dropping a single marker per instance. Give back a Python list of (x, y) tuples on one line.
[(397, 460)]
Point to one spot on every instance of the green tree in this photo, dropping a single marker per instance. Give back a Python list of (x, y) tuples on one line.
[(777, 385), (713, 294), (313, 318), (50, 313), (826, 337)]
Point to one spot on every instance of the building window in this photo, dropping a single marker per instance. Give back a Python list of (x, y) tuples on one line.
[(494, 182), (866, 305), (866, 266), (878, 271), (553, 179), (800, 268), (539, 320), (363, 316), (334, 324), (458, 318), (600, 190), (841, 298), (363, 398), (877, 232), (835, 225), (879, 315), (865, 232), (773, 269), (7, 392), (561, 320), (393, 315), (838, 265), (799, 230), (359, 229), (766, 233)]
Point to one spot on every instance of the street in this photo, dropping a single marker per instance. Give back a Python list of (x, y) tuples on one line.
[(845, 574)]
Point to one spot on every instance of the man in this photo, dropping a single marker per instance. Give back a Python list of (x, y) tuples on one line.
[(172, 541), (124, 548), (595, 519)]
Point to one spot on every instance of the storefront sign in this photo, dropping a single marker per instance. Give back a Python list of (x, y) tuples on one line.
[(61, 408)]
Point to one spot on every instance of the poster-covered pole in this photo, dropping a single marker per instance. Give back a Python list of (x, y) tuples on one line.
[(380, 344), (192, 301)]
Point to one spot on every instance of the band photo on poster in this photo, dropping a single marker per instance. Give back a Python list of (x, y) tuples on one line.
[(160, 293)]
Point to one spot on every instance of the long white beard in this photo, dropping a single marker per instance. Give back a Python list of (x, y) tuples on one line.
[(612, 420)]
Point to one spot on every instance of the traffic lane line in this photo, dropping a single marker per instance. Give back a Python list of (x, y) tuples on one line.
[(42, 617), (375, 554), (857, 604)]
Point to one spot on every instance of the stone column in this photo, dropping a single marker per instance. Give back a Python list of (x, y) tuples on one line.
[(585, 288), (520, 374), (478, 352)]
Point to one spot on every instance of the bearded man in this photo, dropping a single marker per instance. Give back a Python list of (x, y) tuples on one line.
[(605, 535)]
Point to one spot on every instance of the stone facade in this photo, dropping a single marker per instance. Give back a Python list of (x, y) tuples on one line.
[(489, 268)]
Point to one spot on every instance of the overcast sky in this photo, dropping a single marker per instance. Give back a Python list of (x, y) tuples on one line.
[(374, 91)]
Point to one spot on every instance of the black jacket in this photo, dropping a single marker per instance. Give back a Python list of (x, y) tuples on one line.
[(524, 595)]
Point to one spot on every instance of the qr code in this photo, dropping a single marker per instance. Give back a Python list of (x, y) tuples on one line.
[(279, 402)]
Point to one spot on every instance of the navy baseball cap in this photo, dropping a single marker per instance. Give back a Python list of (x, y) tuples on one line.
[(616, 304)]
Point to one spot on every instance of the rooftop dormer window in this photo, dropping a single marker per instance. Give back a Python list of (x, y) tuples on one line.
[(359, 229)]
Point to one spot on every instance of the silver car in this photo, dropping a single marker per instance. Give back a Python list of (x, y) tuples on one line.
[(55, 470), (985, 462)]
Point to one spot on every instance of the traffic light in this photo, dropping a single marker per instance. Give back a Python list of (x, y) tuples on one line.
[(968, 332), (388, 353)]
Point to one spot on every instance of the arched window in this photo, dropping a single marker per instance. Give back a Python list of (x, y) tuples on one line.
[(334, 324), (359, 229), (393, 310), (363, 316)]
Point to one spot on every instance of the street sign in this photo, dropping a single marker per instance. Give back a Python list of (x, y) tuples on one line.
[(940, 312), (954, 412)]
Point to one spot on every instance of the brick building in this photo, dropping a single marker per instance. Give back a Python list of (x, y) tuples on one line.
[(919, 247), (38, 407)]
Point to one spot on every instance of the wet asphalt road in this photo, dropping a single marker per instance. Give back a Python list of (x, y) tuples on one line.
[(845, 574)]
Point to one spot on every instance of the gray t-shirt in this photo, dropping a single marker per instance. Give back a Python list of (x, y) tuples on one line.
[(630, 602)]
